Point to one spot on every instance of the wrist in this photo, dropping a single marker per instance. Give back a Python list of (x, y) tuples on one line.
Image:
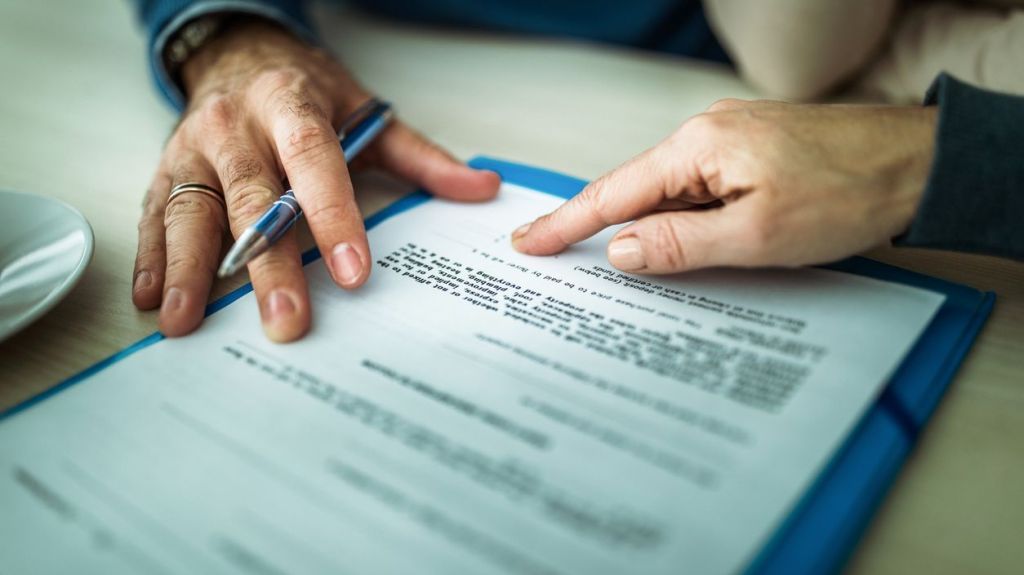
[(242, 43), (919, 154)]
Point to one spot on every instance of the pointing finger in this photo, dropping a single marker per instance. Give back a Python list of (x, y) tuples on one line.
[(315, 166), (633, 189)]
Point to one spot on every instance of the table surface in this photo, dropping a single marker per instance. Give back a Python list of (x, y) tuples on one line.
[(81, 122)]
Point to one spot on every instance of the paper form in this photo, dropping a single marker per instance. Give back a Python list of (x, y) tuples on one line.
[(470, 410)]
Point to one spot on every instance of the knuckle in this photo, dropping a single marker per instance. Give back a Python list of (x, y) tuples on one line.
[(278, 78), (274, 268), (249, 202), (217, 111), (305, 140), (709, 131), (184, 208), (659, 166), (288, 91), (301, 105), (326, 212), (149, 222), (297, 100), (185, 168), (708, 162), (148, 251), (726, 104), (667, 246), (186, 262), (239, 167), (595, 200), (703, 125), (152, 209)]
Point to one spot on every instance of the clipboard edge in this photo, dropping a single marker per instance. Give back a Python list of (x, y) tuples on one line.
[(565, 186)]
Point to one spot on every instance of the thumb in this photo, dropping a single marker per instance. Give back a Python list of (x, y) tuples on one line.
[(670, 242), (409, 155)]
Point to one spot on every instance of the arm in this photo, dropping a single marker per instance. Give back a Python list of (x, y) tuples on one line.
[(800, 49), (752, 184), (974, 197)]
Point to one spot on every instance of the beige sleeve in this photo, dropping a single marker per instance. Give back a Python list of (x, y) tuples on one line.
[(981, 45), (800, 49)]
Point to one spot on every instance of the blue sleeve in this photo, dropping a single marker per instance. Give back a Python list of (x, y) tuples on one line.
[(973, 198), (162, 18)]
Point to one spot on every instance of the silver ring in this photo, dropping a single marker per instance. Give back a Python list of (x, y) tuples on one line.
[(196, 187)]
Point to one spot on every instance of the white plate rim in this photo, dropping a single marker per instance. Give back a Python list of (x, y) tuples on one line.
[(55, 296)]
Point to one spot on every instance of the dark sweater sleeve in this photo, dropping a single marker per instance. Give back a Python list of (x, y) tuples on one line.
[(974, 197), (162, 18)]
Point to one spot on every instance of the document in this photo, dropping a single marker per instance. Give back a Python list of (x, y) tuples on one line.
[(470, 410)]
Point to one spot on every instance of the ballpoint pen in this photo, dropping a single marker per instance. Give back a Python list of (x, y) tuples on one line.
[(355, 134)]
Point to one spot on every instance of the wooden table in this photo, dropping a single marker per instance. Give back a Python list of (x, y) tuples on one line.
[(79, 120)]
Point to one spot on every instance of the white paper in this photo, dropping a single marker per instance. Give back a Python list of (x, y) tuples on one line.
[(470, 410)]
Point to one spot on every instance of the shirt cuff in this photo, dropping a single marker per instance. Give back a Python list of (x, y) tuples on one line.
[(974, 196), (171, 16)]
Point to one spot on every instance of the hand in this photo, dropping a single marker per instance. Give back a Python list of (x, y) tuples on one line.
[(751, 184), (264, 106)]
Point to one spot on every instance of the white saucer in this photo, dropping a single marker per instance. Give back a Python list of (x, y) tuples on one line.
[(45, 245)]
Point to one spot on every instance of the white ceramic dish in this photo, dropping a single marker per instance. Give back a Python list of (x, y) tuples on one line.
[(45, 246)]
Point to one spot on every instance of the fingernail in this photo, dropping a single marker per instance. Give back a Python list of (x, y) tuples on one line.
[(173, 300), (346, 265), (626, 254), (279, 306), (521, 231), (143, 280)]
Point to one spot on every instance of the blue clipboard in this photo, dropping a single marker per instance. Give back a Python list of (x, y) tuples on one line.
[(821, 532)]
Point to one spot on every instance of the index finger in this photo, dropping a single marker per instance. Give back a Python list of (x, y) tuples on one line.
[(633, 189), (314, 164)]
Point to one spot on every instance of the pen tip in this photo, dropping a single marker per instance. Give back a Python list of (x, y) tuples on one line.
[(226, 270)]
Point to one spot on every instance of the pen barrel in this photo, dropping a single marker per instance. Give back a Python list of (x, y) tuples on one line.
[(361, 135), (355, 134), (279, 218)]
